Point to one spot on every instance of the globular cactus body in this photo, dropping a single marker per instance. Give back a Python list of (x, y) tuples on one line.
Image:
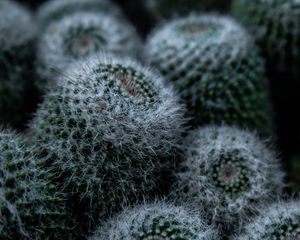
[(17, 32), (216, 69), (275, 26), (279, 221), (80, 35), (156, 221), (30, 208), (54, 10), (105, 129), (229, 172)]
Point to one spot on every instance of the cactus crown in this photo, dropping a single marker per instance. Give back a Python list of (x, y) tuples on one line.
[(156, 221), (225, 169), (54, 10), (115, 118), (279, 221), (80, 35), (209, 58)]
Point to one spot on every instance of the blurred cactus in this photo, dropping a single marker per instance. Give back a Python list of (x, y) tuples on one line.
[(216, 69), (229, 172), (17, 33), (156, 221), (78, 36), (279, 221)]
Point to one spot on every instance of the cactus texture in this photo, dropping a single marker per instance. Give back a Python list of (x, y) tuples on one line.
[(156, 221), (54, 10), (279, 221), (275, 25), (17, 32), (216, 69), (170, 8), (77, 36), (30, 207), (105, 127), (228, 171)]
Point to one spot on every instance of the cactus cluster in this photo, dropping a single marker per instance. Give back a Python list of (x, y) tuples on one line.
[(30, 206), (54, 10), (216, 69), (279, 221), (275, 26), (157, 221), (78, 36), (171, 8), (105, 129), (228, 171), (17, 32)]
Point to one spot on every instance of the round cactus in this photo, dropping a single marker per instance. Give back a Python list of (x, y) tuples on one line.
[(279, 221), (105, 127), (156, 221), (228, 171), (77, 36), (30, 207), (274, 23), (54, 10), (17, 32), (215, 68), (170, 8)]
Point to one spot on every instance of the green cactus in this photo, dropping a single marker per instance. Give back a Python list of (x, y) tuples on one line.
[(157, 221), (17, 32), (170, 8), (78, 36), (30, 207), (216, 69), (275, 26), (55, 10), (104, 129)]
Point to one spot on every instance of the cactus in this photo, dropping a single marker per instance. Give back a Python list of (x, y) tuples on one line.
[(215, 68), (80, 35), (30, 207), (17, 32), (156, 221), (105, 128), (54, 10), (170, 8), (279, 221), (228, 171), (274, 24)]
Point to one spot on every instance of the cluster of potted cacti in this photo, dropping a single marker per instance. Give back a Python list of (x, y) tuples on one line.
[(171, 138)]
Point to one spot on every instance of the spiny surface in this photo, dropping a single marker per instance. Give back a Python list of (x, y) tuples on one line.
[(228, 171), (17, 32), (54, 10), (105, 128), (159, 221), (216, 69), (30, 207), (275, 25), (280, 221), (80, 35)]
